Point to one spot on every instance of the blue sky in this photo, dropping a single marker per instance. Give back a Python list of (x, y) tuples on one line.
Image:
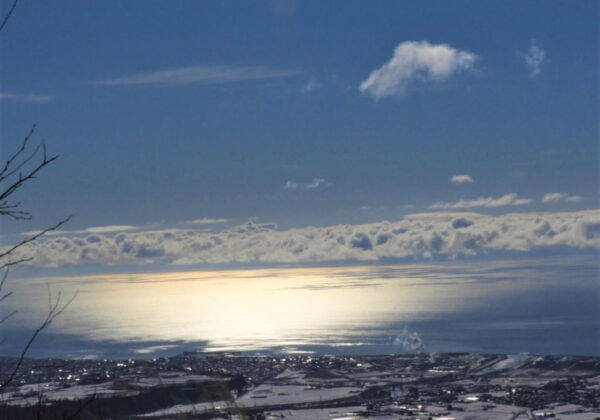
[(167, 112)]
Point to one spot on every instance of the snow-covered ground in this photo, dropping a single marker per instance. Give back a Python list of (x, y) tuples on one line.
[(55, 391), (511, 361), (197, 408), (268, 395)]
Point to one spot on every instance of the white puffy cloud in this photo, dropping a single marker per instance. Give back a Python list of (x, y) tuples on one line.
[(424, 235), (550, 197), (416, 61), (555, 197), (314, 184), (206, 75), (533, 59), (461, 179), (506, 200)]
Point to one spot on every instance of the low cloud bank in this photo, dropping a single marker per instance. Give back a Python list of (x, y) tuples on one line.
[(423, 235)]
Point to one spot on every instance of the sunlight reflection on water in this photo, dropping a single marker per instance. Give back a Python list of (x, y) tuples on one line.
[(453, 306)]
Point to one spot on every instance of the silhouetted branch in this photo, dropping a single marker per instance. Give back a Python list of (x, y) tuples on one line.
[(82, 406), (15, 262), (3, 279), (12, 8), (54, 310), (4, 318), (5, 171), (5, 296), (16, 172), (9, 209), (31, 239)]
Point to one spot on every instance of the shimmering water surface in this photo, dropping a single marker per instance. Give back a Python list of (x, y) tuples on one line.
[(539, 306)]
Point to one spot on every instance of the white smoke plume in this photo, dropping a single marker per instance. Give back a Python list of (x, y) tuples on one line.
[(410, 341)]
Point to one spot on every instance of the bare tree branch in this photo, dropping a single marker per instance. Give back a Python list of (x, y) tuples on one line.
[(15, 262), (54, 311), (17, 164), (5, 296), (16, 173), (23, 179), (4, 318), (3, 279), (4, 173), (31, 239), (82, 406), (12, 8)]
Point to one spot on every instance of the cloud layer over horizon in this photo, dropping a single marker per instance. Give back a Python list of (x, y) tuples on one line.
[(417, 236)]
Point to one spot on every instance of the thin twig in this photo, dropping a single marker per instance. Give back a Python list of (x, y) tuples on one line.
[(11, 263), (82, 406), (22, 179), (18, 152), (53, 312), (5, 296), (8, 15), (3, 279), (23, 163), (34, 237), (4, 318)]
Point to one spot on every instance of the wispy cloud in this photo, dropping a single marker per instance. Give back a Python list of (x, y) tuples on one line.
[(461, 179), (422, 235), (416, 62), (311, 85), (206, 221), (30, 98), (290, 185), (505, 200), (534, 58), (314, 184), (206, 75), (555, 197), (93, 229), (293, 166)]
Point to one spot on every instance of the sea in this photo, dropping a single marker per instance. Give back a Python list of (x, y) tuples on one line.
[(547, 305)]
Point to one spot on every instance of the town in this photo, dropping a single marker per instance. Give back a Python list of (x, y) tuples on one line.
[(226, 385)]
